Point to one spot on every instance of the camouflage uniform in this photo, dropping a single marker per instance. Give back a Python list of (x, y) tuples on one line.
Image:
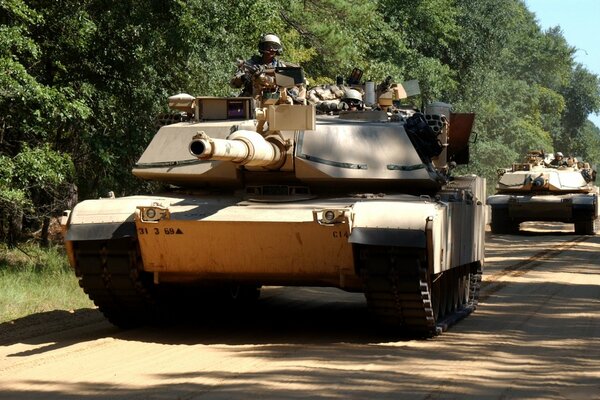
[(558, 160), (250, 68)]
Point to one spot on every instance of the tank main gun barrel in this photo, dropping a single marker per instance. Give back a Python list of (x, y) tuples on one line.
[(241, 147)]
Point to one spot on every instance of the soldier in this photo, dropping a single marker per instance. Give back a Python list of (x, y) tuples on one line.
[(353, 98), (269, 47), (251, 75), (558, 160), (333, 99)]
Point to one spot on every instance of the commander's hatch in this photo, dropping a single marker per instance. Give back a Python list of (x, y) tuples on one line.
[(288, 117)]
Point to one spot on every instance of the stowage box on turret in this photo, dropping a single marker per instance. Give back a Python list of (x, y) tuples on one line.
[(269, 193), (544, 190)]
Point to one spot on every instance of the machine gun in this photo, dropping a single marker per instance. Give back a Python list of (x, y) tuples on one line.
[(267, 83)]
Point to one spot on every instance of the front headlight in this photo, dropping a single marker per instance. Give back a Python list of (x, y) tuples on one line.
[(153, 213), (329, 216)]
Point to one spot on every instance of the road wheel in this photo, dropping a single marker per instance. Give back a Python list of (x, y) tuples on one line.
[(455, 285), (467, 277), (436, 297), (448, 292)]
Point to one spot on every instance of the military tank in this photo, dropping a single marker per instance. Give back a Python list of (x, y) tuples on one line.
[(265, 192), (543, 189)]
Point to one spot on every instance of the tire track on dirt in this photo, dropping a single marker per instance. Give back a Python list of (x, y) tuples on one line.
[(494, 283)]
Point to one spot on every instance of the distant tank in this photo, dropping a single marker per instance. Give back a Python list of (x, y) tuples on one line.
[(544, 189), (269, 193)]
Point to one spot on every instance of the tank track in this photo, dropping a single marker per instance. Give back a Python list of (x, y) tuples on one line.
[(399, 291), (108, 273), (397, 287)]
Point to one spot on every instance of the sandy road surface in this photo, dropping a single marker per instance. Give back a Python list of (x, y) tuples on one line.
[(536, 335)]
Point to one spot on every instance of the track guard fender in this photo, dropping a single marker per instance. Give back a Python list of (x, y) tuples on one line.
[(397, 237), (104, 219), (416, 226)]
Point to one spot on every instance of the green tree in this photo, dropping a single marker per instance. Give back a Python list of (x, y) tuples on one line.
[(34, 185), (29, 109), (582, 94), (87, 78)]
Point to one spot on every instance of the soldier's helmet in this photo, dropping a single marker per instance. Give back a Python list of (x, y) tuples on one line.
[(558, 154), (270, 43), (353, 98)]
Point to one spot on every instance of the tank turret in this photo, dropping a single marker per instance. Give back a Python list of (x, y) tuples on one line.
[(362, 199), (543, 188)]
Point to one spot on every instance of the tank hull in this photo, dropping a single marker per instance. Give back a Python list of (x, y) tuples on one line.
[(218, 241), (513, 209), (281, 243), (561, 208)]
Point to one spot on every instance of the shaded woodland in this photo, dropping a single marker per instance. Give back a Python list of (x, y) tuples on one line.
[(82, 81)]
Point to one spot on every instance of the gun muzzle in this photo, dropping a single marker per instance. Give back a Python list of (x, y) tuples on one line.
[(538, 182), (198, 147)]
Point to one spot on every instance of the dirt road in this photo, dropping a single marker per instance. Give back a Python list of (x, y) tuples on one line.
[(536, 334)]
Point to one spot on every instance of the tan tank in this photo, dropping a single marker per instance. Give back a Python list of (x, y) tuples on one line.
[(542, 189), (275, 195)]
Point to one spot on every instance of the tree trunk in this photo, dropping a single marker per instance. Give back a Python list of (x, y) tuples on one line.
[(15, 227), (44, 236)]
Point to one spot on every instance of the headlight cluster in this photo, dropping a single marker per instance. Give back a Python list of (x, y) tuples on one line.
[(153, 213), (329, 216)]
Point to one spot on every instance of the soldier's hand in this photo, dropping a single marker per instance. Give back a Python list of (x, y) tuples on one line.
[(265, 80), (259, 70)]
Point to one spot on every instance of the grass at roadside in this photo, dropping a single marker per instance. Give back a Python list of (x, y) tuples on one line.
[(34, 280)]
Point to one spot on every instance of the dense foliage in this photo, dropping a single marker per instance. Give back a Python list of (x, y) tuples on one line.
[(81, 81)]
